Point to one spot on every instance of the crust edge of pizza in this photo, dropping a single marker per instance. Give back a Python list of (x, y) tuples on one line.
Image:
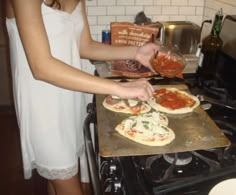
[(126, 110)]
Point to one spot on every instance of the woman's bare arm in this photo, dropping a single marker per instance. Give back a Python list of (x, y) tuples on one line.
[(95, 50), (49, 69)]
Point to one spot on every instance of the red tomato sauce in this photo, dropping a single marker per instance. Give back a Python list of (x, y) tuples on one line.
[(167, 66), (170, 99)]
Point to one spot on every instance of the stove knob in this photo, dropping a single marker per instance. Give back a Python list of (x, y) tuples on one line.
[(113, 185), (112, 169), (117, 185), (109, 168)]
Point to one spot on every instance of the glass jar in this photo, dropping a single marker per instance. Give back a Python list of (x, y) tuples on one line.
[(168, 62)]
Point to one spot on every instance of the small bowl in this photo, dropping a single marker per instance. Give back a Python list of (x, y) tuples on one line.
[(168, 63)]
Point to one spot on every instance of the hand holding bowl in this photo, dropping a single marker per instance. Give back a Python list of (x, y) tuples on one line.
[(168, 64)]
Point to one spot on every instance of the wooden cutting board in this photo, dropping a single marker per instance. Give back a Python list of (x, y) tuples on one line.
[(194, 131)]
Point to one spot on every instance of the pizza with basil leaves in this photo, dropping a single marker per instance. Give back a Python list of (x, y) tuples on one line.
[(149, 129)]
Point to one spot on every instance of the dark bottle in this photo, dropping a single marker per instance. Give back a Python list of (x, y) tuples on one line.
[(211, 46)]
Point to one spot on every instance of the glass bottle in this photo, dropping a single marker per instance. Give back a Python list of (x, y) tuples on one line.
[(211, 46)]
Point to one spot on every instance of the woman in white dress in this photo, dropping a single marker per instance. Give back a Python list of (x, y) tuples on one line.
[(47, 40)]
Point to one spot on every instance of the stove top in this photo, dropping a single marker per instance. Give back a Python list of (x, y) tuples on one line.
[(188, 173), (194, 172)]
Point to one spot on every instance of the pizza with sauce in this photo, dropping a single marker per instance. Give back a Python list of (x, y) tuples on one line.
[(128, 106), (173, 101), (148, 129)]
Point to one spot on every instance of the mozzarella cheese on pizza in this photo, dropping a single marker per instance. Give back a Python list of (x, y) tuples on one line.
[(117, 104), (147, 129), (173, 101)]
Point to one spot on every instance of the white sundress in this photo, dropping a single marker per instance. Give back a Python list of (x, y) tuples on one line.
[(50, 118)]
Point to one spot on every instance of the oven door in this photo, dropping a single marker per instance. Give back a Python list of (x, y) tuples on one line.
[(90, 147)]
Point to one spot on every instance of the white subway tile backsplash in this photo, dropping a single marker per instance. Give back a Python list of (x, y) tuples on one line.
[(125, 2), (196, 3), (106, 2), (209, 13), (229, 2), (105, 19), (142, 2), (133, 10), (116, 10), (209, 3), (187, 10), (170, 10), (102, 12), (161, 2), (91, 3), (218, 5), (97, 11), (179, 2), (97, 29), (161, 18), (152, 10), (199, 11), (229, 9), (92, 20), (195, 19), (125, 18), (178, 18)]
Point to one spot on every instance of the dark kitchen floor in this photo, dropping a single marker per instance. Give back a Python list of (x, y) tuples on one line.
[(11, 172)]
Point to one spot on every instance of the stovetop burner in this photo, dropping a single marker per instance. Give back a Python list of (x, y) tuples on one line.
[(183, 158), (164, 168)]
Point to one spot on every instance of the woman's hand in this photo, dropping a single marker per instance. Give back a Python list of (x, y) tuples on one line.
[(139, 89), (144, 54)]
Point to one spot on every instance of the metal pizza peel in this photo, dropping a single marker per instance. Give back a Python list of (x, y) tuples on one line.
[(193, 131)]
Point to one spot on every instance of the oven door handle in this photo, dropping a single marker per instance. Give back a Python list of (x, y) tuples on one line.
[(92, 162)]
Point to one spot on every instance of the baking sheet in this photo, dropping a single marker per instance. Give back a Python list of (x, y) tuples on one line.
[(193, 131)]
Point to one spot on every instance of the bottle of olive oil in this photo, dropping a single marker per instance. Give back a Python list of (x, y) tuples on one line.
[(211, 46)]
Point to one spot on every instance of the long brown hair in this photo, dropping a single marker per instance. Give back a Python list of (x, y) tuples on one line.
[(54, 3)]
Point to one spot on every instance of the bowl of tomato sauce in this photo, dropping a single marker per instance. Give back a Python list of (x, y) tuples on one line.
[(168, 63)]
